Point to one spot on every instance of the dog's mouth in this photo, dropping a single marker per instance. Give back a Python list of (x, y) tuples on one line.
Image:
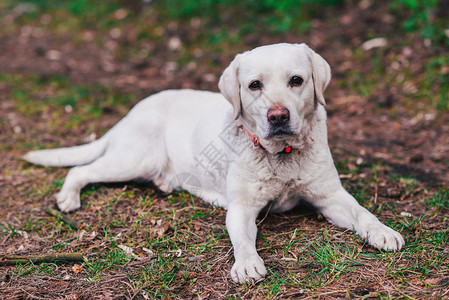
[(280, 132)]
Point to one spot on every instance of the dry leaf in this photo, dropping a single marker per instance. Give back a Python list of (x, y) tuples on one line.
[(76, 268), (128, 250), (197, 226), (160, 230), (72, 296), (149, 252), (81, 235)]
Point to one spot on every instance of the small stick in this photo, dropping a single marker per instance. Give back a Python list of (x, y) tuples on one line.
[(268, 211), (65, 218), (39, 258)]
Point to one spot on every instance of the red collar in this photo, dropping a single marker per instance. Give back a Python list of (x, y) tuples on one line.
[(256, 142)]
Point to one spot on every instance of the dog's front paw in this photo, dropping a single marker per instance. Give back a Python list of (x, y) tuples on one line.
[(383, 237), (249, 270), (68, 201)]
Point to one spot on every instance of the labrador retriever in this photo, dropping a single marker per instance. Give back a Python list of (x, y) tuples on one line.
[(262, 141)]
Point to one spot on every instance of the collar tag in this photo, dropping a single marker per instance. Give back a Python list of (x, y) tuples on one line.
[(288, 149), (256, 142)]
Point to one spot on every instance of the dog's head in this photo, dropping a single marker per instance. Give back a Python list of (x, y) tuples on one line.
[(275, 89)]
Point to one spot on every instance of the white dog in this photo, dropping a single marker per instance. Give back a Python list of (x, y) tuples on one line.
[(266, 145)]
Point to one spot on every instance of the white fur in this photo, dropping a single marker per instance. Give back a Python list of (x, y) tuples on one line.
[(200, 134)]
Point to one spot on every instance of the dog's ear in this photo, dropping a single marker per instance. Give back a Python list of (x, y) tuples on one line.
[(321, 74), (230, 87)]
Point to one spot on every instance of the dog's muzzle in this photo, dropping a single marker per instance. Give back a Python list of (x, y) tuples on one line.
[(278, 118)]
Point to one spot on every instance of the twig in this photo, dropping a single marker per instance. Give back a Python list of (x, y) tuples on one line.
[(376, 192), (39, 258), (325, 294), (65, 218), (266, 214)]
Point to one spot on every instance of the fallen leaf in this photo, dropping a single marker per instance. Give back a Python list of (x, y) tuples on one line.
[(72, 296), (81, 235), (160, 230), (128, 250), (76, 268), (197, 226), (23, 233), (149, 252)]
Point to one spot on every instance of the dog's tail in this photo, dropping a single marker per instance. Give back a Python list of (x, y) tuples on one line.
[(70, 156)]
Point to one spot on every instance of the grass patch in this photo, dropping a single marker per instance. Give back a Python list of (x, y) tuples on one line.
[(180, 243), (37, 95), (424, 17), (437, 78), (440, 199), (250, 16), (62, 108), (331, 260)]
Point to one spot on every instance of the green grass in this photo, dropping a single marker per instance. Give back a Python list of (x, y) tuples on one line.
[(437, 79), (310, 257), (60, 106), (37, 94), (420, 16), (76, 14), (250, 16), (330, 260), (425, 89), (439, 199)]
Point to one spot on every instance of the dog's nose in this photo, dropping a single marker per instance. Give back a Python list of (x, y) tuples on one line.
[(278, 115)]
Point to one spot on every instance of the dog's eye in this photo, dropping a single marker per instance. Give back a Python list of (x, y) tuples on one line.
[(255, 85), (295, 81)]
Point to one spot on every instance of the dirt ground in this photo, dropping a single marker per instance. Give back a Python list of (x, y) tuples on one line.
[(384, 129)]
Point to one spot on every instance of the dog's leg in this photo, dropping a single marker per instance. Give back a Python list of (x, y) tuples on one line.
[(343, 210), (108, 168), (241, 225)]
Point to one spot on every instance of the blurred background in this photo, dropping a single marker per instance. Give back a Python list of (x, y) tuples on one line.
[(138, 46)]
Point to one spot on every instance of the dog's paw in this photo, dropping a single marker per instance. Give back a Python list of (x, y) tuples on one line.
[(249, 270), (68, 201), (383, 237)]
